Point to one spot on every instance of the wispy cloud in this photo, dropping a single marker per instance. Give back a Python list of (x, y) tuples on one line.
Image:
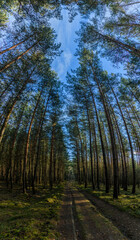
[(63, 64), (67, 58), (66, 35)]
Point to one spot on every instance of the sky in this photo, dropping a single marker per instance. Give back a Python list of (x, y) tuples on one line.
[(66, 35)]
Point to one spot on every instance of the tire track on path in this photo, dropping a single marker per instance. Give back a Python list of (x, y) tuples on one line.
[(80, 219), (66, 224), (126, 223), (95, 225)]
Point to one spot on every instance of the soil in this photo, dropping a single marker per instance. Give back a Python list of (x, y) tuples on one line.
[(126, 223), (85, 217), (65, 224)]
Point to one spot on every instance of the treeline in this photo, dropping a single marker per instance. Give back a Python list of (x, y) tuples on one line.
[(105, 117), (104, 127), (104, 112), (32, 149)]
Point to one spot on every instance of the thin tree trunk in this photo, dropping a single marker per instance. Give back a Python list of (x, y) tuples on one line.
[(123, 151), (17, 58), (12, 107), (3, 92), (130, 144), (135, 114), (12, 149), (133, 94), (39, 133), (90, 144), (97, 156), (27, 144), (125, 24), (101, 139), (14, 46), (78, 162), (124, 46), (54, 166), (86, 160), (51, 160), (129, 4), (112, 137), (134, 128), (82, 155)]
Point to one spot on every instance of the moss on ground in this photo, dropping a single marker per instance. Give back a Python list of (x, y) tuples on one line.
[(26, 216), (126, 201)]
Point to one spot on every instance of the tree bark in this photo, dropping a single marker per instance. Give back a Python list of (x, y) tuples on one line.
[(90, 144), (17, 58), (38, 148), (12, 107), (14, 46), (124, 46), (101, 139), (82, 155), (27, 144), (51, 159), (78, 162), (112, 136), (130, 144)]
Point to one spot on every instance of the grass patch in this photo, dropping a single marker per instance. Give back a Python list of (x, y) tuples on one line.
[(126, 201), (24, 216)]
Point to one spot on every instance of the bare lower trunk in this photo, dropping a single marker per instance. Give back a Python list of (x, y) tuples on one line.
[(112, 136), (130, 144), (101, 139), (27, 145)]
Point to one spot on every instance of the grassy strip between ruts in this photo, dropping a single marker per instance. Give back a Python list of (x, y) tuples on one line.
[(126, 201), (26, 216)]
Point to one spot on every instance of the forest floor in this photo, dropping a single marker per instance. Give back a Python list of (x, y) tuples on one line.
[(73, 214), (126, 201), (84, 216), (27, 216)]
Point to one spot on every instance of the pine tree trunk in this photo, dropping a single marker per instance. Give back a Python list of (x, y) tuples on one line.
[(124, 46), (12, 107), (7, 65), (14, 46), (82, 156), (130, 144), (112, 136), (51, 160), (101, 139), (90, 144), (78, 162), (27, 145)]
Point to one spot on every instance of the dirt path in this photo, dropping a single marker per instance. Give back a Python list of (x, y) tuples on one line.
[(66, 226), (127, 224), (80, 220)]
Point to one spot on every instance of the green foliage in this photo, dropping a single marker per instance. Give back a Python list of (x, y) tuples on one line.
[(125, 202), (29, 217)]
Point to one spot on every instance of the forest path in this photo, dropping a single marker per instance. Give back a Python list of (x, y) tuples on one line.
[(126, 223), (80, 220), (66, 224)]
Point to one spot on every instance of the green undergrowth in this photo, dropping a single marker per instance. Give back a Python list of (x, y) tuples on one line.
[(126, 201), (31, 217)]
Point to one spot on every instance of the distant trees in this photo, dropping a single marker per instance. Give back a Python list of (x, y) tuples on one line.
[(95, 94), (30, 99), (104, 116), (110, 104), (28, 156)]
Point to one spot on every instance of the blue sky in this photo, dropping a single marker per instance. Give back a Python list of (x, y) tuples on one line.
[(66, 35)]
